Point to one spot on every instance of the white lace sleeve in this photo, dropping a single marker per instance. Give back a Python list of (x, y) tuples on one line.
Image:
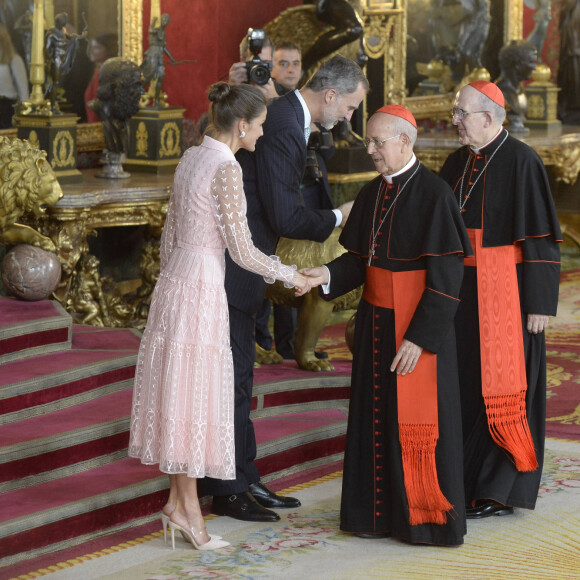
[(168, 235), (228, 192)]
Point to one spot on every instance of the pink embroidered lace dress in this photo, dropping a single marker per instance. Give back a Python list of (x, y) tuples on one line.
[(183, 400)]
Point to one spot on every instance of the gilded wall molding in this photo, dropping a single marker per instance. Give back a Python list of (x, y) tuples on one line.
[(131, 29), (513, 28), (385, 34)]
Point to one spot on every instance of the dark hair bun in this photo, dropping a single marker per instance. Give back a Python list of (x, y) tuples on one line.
[(218, 93)]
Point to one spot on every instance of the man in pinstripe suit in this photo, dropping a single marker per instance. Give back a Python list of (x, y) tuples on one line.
[(272, 177)]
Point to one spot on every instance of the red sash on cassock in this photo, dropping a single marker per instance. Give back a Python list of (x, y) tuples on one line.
[(416, 397), (503, 365)]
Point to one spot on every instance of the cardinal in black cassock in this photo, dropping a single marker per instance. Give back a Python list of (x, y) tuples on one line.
[(510, 288), (403, 472)]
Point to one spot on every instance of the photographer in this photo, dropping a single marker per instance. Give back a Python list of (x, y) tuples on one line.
[(287, 67), (239, 70)]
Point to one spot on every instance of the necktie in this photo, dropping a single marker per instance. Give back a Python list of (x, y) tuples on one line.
[(307, 133)]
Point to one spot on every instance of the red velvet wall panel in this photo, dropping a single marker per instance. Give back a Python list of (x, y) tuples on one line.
[(209, 31)]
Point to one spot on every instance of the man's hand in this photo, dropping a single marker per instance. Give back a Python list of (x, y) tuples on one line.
[(316, 276), (302, 285), (406, 358), (345, 211), (268, 89), (537, 323), (238, 73)]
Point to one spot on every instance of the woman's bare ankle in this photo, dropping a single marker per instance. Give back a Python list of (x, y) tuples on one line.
[(168, 509)]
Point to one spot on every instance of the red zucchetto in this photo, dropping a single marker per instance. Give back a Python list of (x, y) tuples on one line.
[(490, 90), (399, 111)]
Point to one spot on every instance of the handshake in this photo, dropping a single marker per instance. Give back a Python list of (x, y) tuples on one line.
[(308, 278)]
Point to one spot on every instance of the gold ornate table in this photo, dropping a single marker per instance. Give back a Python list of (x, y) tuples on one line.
[(87, 207)]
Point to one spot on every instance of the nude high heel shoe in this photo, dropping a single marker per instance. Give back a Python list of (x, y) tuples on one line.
[(213, 544), (165, 522)]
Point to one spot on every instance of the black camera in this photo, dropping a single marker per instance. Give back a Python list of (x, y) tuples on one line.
[(258, 70), (318, 140)]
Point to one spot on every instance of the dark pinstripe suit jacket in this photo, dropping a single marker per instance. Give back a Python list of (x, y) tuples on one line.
[(272, 177)]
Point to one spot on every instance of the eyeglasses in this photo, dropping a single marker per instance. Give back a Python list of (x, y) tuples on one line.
[(461, 113), (378, 143)]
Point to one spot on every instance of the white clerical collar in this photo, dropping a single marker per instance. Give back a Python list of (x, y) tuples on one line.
[(389, 178), (476, 151), (307, 115)]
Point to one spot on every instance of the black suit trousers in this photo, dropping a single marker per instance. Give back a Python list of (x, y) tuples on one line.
[(242, 340)]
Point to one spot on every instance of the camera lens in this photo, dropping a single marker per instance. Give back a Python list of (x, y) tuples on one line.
[(259, 74)]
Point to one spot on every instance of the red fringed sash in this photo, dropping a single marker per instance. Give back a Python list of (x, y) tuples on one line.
[(416, 396), (503, 366)]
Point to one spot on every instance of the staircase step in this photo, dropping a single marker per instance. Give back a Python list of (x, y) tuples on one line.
[(76, 435), (65, 477), (311, 391), (30, 329), (56, 511), (302, 440), (85, 502), (95, 366)]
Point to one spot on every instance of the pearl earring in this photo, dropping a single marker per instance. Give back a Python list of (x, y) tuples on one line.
[(242, 134)]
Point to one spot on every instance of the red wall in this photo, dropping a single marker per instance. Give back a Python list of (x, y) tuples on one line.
[(209, 31)]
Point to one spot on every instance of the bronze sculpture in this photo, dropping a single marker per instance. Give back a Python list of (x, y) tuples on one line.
[(473, 32), (542, 17), (459, 30), (334, 20), (569, 69), (153, 66), (345, 26), (60, 49), (120, 89), (517, 61)]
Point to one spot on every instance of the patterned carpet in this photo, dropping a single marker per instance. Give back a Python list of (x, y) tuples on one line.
[(563, 354), (306, 543)]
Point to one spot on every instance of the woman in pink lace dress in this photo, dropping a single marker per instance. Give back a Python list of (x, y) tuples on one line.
[(183, 401)]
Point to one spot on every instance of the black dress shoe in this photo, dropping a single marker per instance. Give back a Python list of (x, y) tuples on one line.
[(267, 498), (371, 536), (486, 509), (242, 506)]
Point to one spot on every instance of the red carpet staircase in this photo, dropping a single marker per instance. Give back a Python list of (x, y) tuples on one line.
[(65, 401)]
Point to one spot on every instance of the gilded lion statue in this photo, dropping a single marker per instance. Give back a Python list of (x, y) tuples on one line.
[(314, 311), (27, 186)]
